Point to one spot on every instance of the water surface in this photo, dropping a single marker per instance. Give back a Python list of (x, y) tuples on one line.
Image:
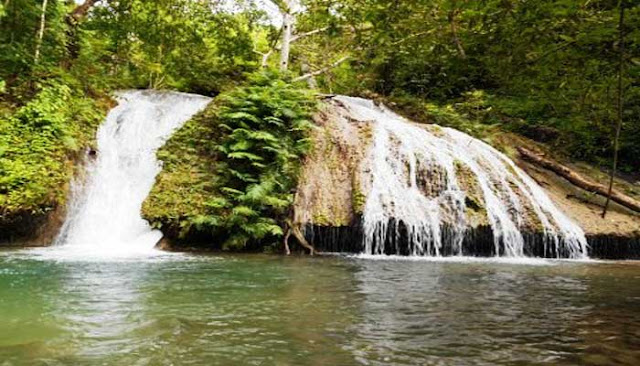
[(271, 310)]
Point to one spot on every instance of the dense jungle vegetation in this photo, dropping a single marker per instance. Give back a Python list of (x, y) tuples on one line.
[(561, 72)]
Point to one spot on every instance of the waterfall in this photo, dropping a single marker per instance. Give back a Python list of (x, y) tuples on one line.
[(424, 183), (104, 214)]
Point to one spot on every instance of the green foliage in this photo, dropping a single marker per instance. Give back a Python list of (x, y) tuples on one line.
[(544, 69), (184, 195), (37, 143), (18, 28), (241, 159), (177, 44)]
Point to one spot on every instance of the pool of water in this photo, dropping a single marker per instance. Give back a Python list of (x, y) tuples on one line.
[(272, 310)]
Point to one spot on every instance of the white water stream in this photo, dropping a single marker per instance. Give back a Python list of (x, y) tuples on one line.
[(413, 173), (104, 214)]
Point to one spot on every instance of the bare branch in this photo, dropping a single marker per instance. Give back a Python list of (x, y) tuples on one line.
[(411, 36), (307, 34), (322, 70)]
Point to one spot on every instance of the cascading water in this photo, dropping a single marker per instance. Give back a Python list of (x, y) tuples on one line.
[(104, 215), (415, 194)]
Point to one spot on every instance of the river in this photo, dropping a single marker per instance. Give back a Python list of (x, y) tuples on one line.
[(272, 310)]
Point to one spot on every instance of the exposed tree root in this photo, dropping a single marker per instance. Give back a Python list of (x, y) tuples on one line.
[(297, 233), (287, 251)]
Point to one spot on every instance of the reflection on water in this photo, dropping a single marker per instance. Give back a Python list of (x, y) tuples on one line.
[(262, 310)]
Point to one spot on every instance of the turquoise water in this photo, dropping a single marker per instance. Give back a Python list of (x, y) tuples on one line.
[(272, 310)]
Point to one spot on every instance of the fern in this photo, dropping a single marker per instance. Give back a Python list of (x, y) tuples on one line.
[(266, 125)]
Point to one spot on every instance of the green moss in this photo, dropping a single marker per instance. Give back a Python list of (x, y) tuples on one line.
[(358, 199), (322, 219), (474, 203), (180, 199)]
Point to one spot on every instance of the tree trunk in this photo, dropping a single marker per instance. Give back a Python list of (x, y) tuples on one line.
[(40, 35), (616, 142), (454, 32), (287, 24), (311, 81), (580, 181)]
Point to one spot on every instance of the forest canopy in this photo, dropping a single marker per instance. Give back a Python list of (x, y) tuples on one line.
[(546, 69)]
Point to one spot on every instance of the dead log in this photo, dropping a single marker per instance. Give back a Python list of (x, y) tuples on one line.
[(579, 180)]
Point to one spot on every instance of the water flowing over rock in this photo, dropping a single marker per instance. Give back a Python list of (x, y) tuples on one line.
[(104, 213), (425, 189)]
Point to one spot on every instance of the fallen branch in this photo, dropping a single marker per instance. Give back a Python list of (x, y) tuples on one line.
[(322, 70), (578, 180), (325, 96)]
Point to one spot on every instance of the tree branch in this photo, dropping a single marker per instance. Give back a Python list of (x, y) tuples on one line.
[(81, 10), (322, 70), (40, 33), (265, 57), (307, 34), (454, 32), (415, 35)]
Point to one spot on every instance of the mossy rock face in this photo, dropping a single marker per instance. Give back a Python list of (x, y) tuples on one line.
[(330, 191), (230, 173), (476, 212), (359, 199), (187, 182)]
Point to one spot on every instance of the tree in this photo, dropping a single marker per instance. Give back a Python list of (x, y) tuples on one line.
[(289, 10), (40, 33), (620, 104)]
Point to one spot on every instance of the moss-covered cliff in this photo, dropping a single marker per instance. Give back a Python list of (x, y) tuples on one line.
[(178, 202)]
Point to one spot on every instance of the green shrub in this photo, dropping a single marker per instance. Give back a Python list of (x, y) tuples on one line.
[(37, 144)]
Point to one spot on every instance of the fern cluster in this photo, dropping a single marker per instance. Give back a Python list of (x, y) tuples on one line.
[(265, 135), (249, 144)]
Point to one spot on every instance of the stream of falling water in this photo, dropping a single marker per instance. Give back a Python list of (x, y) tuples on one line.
[(415, 192), (104, 215)]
